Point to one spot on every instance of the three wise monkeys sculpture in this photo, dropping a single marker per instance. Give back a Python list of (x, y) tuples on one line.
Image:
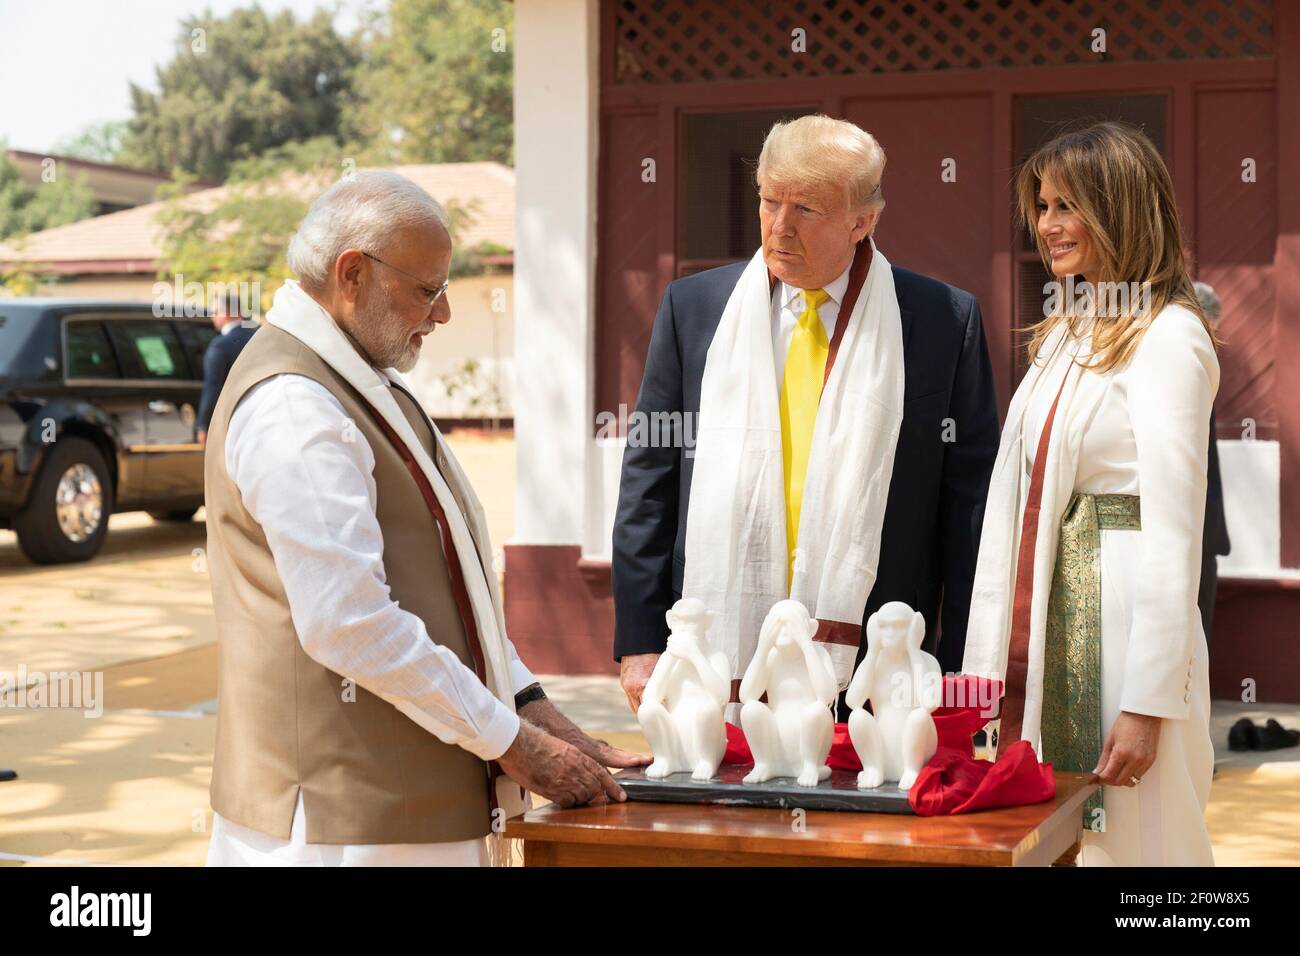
[(787, 697)]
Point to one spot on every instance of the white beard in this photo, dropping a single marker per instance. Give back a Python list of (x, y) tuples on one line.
[(387, 339)]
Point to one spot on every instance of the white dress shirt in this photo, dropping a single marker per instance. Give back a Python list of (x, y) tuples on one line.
[(788, 305), (307, 478)]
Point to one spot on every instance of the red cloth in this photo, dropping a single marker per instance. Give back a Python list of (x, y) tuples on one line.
[(953, 781)]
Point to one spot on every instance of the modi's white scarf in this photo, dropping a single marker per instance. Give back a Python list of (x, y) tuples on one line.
[(297, 313), (736, 556)]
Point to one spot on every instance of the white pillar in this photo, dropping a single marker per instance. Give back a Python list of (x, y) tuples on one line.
[(555, 100)]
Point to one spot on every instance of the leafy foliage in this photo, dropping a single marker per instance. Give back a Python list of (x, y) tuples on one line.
[(237, 87), (435, 84), (97, 142), (25, 209)]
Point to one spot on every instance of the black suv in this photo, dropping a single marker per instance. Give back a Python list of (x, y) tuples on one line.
[(97, 410)]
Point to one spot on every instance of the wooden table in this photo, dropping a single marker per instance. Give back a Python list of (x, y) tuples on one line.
[(663, 834)]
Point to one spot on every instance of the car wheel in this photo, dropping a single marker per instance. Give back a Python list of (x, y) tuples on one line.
[(179, 514), (66, 517)]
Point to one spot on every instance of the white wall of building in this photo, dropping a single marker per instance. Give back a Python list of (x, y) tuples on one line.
[(555, 102), (602, 499), (1252, 504), (481, 331)]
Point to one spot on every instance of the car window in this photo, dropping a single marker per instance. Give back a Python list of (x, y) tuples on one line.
[(151, 349), (195, 336), (89, 353)]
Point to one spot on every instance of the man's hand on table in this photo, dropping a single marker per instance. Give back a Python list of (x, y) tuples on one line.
[(556, 770), (633, 673), (542, 713), (551, 756)]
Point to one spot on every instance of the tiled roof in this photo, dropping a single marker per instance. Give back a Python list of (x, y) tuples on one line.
[(130, 240)]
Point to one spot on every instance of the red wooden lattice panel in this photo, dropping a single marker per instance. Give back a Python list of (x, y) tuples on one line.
[(671, 41), (1236, 224)]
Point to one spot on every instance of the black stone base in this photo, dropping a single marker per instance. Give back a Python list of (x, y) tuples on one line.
[(837, 792)]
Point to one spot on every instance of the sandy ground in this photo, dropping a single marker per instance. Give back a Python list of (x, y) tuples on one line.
[(130, 786)]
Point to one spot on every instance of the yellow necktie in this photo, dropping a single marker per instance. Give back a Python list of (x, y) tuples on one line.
[(801, 391)]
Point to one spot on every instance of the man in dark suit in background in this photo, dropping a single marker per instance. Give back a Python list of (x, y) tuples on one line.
[(932, 520), (221, 353), (1215, 539)]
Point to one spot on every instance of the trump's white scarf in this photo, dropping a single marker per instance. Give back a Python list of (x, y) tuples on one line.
[(736, 556)]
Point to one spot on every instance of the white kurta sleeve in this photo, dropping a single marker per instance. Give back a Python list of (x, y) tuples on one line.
[(308, 481), (520, 675), (1171, 387)]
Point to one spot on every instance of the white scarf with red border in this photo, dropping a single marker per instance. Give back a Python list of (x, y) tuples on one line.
[(736, 556)]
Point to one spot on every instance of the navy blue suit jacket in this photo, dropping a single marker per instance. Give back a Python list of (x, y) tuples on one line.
[(935, 507), (217, 360)]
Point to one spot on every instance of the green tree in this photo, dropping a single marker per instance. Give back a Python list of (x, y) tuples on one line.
[(52, 202), (435, 84), (97, 142), (24, 209), (237, 87)]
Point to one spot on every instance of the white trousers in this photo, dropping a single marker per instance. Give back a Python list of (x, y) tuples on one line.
[(235, 845)]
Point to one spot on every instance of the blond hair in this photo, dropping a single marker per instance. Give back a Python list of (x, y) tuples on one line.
[(827, 154), (1115, 180)]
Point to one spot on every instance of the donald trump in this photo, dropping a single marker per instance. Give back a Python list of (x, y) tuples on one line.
[(847, 427)]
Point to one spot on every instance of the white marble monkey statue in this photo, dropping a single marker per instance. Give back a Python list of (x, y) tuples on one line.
[(790, 735), (904, 685), (682, 706)]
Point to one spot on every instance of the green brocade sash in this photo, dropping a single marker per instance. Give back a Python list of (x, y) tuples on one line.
[(1071, 721)]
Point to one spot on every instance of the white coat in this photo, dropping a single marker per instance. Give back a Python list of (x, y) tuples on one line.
[(1138, 429)]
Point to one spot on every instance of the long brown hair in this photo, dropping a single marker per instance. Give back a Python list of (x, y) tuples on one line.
[(1116, 182)]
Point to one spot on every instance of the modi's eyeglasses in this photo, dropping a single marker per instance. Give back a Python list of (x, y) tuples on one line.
[(431, 300)]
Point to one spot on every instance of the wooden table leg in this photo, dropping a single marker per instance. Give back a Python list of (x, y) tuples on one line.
[(1068, 857), (537, 853)]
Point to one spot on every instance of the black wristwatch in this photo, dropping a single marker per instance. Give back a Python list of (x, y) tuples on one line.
[(529, 694)]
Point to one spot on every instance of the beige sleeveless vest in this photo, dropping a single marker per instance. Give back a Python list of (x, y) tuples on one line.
[(368, 773)]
